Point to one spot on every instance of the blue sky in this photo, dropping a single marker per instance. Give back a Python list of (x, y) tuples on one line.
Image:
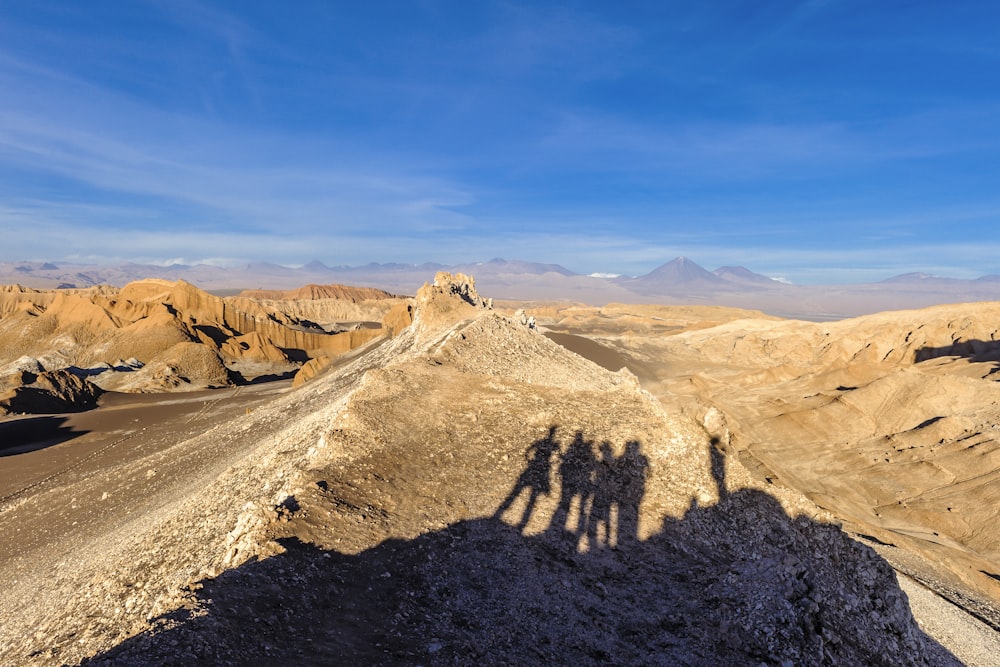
[(836, 141)]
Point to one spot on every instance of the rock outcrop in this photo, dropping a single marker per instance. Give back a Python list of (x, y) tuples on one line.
[(46, 392), (450, 298), (311, 369)]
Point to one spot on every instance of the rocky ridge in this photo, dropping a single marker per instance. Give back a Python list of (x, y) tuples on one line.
[(313, 292)]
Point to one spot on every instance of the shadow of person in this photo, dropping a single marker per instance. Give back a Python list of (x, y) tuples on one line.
[(632, 471), (718, 468), (535, 478), (576, 474), (605, 494)]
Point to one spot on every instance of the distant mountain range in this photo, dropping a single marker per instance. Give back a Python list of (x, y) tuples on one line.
[(680, 280), (682, 273), (927, 278), (743, 276)]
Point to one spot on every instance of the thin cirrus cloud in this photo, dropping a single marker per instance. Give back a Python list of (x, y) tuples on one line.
[(211, 172), (245, 172)]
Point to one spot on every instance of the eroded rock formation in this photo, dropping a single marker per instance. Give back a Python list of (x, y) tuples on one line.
[(46, 392), (155, 322)]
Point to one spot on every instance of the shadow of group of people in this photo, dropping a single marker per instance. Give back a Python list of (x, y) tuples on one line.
[(599, 491), (558, 575)]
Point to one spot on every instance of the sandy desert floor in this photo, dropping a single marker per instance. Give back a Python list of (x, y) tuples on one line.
[(50, 454)]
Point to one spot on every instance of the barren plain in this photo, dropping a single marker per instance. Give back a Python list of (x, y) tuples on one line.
[(338, 477)]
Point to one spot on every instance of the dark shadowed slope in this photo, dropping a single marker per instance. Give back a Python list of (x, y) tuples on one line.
[(734, 583)]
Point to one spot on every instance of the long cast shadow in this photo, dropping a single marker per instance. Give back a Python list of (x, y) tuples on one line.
[(973, 349), (737, 582), (20, 436)]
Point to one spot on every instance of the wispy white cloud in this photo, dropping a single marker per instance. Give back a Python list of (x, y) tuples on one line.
[(236, 36), (525, 37), (217, 174), (749, 149), (51, 238)]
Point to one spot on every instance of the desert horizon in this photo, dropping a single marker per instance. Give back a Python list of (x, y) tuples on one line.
[(677, 281)]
